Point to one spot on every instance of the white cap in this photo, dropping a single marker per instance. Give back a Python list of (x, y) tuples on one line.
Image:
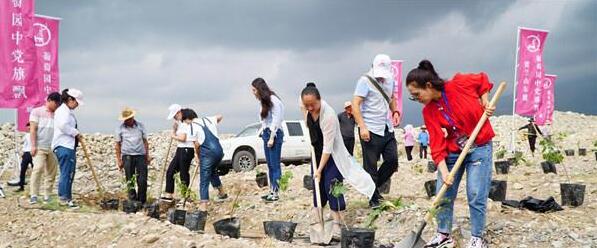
[(347, 104), (173, 109), (77, 94), (382, 66)]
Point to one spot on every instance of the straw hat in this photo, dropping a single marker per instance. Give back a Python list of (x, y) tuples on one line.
[(423, 127), (126, 114)]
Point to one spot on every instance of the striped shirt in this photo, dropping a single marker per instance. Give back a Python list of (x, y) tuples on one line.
[(45, 126)]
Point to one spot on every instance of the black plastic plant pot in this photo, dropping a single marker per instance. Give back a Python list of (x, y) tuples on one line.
[(280, 230), (430, 188), (195, 221), (572, 194), (385, 188), (109, 204), (502, 166), (261, 180), (357, 237), (569, 152), (308, 182), (177, 216), (582, 152), (548, 167), (497, 191), (228, 227), (131, 207), (153, 210), (431, 167)]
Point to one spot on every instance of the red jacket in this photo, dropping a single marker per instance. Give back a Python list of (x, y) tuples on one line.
[(463, 93)]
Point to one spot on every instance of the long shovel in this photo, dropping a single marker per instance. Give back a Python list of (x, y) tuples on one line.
[(164, 167), (321, 232), (413, 240), (100, 189)]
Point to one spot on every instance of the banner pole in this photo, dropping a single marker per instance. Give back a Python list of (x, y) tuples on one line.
[(513, 133), (16, 141)]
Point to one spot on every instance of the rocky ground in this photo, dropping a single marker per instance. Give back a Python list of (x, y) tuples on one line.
[(506, 227)]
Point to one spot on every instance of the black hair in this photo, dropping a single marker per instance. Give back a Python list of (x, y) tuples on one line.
[(54, 97), (311, 89), (28, 124), (265, 96), (425, 73), (65, 96), (188, 114)]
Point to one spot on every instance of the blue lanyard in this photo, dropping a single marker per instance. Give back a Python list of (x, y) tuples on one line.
[(446, 115)]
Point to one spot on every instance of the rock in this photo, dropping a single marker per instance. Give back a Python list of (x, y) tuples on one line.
[(151, 238), (517, 186)]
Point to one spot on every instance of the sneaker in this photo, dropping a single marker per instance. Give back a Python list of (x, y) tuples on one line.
[(267, 196), (72, 205), (272, 198), (2, 193), (441, 240), (477, 242), (33, 200), (374, 204), (222, 196)]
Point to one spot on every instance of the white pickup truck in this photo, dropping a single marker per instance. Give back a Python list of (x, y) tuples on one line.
[(245, 150)]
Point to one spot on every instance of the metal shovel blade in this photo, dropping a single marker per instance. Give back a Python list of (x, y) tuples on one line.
[(409, 241), (321, 233)]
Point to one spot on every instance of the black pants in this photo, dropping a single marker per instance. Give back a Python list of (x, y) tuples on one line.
[(423, 152), (349, 143), (135, 165), (409, 152), (26, 160), (532, 140), (387, 147), (180, 163)]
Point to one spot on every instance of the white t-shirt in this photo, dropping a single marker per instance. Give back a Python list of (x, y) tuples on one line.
[(191, 133), (27, 142), (211, 124)]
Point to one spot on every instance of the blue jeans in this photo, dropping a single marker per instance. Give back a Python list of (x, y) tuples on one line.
[(478, 166), (272, 155), (68, 161), (208, 174)]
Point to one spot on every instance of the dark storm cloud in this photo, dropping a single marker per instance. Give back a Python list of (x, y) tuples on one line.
[(204, 54)]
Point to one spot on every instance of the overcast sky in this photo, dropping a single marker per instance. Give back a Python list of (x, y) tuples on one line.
[(204, 54)]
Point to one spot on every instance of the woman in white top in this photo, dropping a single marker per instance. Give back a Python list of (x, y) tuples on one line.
[(334, 163), (186, 135), (64, 143), (271, 116)]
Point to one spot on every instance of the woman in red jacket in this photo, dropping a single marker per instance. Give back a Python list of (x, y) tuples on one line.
[(451, 111)]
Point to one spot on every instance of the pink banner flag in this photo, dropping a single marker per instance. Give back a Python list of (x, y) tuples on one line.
[(17, 54), (529, 71), (397, 68), (45, 35), (545, 113)]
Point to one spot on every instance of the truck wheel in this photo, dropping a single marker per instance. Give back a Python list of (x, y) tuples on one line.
[(243, 161)]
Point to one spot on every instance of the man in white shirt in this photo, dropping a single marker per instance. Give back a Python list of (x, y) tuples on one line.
[(372, 103), (26, 160)]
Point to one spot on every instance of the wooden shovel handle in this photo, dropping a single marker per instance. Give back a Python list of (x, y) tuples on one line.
[(86, 153), (464, 151), (164, 166)]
